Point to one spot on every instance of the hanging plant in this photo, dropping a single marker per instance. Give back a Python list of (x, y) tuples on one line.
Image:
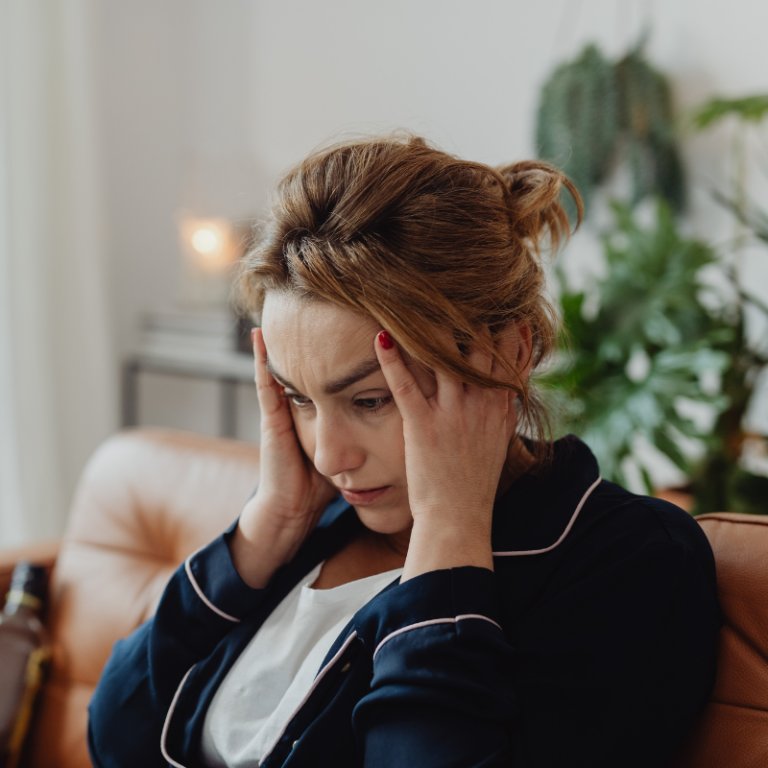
[(578, 120), (647, 129), (594, 115)]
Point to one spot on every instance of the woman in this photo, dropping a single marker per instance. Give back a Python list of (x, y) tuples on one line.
[(413, 582)]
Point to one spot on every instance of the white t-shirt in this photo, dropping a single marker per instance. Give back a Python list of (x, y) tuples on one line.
[(264, 687)]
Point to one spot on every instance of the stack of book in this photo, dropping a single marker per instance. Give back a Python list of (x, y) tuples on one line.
[(201, 339)]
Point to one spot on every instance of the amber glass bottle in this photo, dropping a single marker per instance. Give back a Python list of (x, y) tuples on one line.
[(24, 653)]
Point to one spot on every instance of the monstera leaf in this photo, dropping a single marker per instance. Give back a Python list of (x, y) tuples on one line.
[(752, 109), (651, 345)]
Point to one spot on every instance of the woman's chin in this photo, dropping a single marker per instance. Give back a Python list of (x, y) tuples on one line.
[(385, 520)]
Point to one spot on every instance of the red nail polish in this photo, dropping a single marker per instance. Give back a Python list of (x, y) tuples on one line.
[(386, 340), (253, 335)]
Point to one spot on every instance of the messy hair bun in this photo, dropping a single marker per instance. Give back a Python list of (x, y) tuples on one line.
[(419, 240)]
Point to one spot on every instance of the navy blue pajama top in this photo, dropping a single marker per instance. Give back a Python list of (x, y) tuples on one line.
[(591, 643)]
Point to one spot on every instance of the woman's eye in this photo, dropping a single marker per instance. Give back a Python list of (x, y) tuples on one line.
[(373, 403), (366, 404), (299, 401)]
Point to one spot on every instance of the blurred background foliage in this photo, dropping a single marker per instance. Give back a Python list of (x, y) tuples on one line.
[(652, 351)]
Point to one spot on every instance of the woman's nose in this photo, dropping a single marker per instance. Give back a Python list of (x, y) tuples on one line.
[(336, 449)]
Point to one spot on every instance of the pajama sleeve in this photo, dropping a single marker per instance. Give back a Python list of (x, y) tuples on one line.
[(202, 602), (607, 668)]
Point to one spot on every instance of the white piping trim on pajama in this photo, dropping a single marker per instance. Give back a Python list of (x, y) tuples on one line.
[(565, 532), (432, 622), (320, 676), (167, 722), (201, 595)]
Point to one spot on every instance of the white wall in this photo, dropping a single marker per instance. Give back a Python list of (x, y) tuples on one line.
[(57, 385), (205, 102)]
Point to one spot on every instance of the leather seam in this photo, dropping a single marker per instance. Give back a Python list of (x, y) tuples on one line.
[(738, 706), (121, 550), (746, 641), (716, 516)]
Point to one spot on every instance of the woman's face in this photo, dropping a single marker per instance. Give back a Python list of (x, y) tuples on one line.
[(345, 417)]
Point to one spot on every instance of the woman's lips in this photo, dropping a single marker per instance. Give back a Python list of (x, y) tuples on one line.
[(365, 497)]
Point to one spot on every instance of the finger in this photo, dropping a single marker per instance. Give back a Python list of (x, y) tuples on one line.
[(511, 414), (507, 345), (408, 396), (508, 348), (267, 387), (450, 389), (479, 357)]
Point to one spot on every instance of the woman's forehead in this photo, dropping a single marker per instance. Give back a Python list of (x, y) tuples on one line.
[(285, 314), (314, 343)]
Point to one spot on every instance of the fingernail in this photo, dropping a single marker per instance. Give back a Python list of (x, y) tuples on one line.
[(253, 335), (386, 340)]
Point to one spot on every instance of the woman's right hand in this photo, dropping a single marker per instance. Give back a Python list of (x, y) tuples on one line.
[(291, 495)]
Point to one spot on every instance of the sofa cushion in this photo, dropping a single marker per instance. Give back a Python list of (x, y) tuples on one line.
[(146, 500)]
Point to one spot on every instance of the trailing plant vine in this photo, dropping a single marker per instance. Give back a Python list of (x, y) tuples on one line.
[(594, 114)]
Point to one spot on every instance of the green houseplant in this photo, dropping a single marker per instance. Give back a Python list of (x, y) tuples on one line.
[(721, 481), (595, 114), (653, 346), (659, 338), (627, 368)]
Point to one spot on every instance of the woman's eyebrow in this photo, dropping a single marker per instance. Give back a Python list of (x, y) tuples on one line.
[(362, 371)]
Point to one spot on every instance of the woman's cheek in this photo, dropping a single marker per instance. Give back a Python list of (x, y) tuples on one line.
[(392, 446), (305, 431)]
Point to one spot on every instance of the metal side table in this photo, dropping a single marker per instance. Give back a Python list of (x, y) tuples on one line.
[(229, 369)]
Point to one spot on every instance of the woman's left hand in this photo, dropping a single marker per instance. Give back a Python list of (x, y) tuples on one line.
[(456, 443)]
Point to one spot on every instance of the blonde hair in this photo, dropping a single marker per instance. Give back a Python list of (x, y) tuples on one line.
[(419, 240)]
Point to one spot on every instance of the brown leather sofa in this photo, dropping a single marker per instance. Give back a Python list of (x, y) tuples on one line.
[(150, 497)]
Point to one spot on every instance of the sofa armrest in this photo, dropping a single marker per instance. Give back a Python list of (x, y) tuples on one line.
[(42, 553)]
